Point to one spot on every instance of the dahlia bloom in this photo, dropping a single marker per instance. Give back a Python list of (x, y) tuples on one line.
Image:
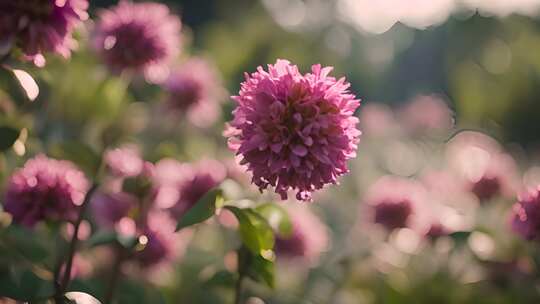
[(163, 244), (140, 36), (45, 189), (525, 215), (483, 167), (309, 237), (41, 26), (294, 131), (199, 179), (110, 208), (397, 203), (194, 89), (124, 161), (426, 113)]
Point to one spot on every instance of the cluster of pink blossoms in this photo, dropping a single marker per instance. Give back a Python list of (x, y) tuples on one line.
[(40, 26), (45, 189), (138, 36), (294, 131)]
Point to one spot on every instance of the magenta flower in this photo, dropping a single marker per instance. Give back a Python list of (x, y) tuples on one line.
[(110, 208), (427, 113), (45, 189), (397, 203), (199, 179), (40, 26), (124, 161), (162, 243), (525, 215), (139, 36), (294, 131), (194, 89), (309, 237)]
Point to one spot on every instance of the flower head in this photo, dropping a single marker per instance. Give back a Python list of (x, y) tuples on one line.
[(397, 203), (45, 189), (140, 36), (525, 215), (199, 179), (308, 239), (294, 131), (40, 26), (194, 89), (124, 162)]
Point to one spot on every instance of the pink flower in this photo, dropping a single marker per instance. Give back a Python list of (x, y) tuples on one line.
[(397, 203), (376, 119), (309, 237), (45, 189), (40, 26), (124, 162), (163, 244), (483, 167), (194, 89), (110, 208), (294, 131), (199, 179), (140, 36), (525, 215), (427, 113)]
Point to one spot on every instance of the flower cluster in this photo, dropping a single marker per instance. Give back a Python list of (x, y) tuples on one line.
[(45, 189), (139, 36), (40, 26), (294, 131), (525, 216)]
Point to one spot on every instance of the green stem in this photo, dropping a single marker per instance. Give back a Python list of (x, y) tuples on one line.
[(62, 281)]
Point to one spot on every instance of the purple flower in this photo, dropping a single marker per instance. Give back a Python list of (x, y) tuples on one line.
[(139, 36), (294, 131), (124, 162), (194, 89), (45, 189), (525, 215), (163, 244), (309, 237), (110, 208), (397, 203), (40, 26), (198, 180)]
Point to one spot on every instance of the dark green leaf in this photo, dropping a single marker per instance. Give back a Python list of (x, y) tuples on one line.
[(34, 287), (103, 238), (222, 278), (202, 210), (8, 136), (25, 242), (9, 285), (262, 270)]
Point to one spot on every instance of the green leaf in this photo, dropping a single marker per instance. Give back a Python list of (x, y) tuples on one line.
[(9, 285), (82, 155), (8, 136), (262, 270), (25, 243), (277, 217), (203, 209), (255, 231), (34, 287), (222, 278)]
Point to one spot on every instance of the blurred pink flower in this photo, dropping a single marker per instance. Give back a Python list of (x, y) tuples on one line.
[(140, 36), (109, 208), (40, 26), (201, 178), (163, 244), (124, 162), (309, 237), (483, 167), (45, 189), (426, 113), (376, 119), (81, 268), (294, 131), (194, 89), (525, 215), (395, 203)]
